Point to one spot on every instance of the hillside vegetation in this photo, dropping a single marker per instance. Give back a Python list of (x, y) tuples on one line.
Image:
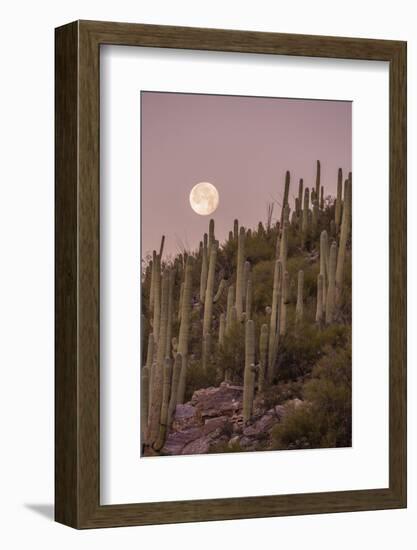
[(268, 309)]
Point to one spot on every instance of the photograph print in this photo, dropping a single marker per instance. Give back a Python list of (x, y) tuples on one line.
[(246, 279)]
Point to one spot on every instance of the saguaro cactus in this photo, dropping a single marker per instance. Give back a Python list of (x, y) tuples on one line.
[(210, 236), (305, 220), (150, 350), (249, 374), (230, 304), (204, 270), (180, 300), (186, 309), (151, 290), (236, 230), (176, 373), (208, 300), (331, 287), (220, 290), (157, 378), (299, 308), (275, 319), (170, 312), (286, 195), (144, 405), (263, 356), (338, 202), (318, 171), (239, 272), (206, 351), (284, 247), (185, 326), (222, 329), (300, 194), (344, 235), (248, 301), (156, 298), (324, 260), (150, 359), (161, 248), (163, 423), (246, 270), (320, 308), (284, 303)]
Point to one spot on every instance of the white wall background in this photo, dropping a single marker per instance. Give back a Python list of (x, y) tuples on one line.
[(26, 272)]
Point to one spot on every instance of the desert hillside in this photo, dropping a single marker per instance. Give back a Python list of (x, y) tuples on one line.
[(247, 342)]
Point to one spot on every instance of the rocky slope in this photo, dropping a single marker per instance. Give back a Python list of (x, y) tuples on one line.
[(212, 422)]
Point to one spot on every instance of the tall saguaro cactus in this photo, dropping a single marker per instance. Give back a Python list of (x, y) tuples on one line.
[(318, 172), (236, 229), (249, 373), (211, 236), (240, 272), (208, 306), (144, 406), (176, 373), (324, 260), (305, 220), (166, 391), (300, 194), (338, 202), (204, 270), (158, 369), (222, 329), (283, 253), (331, 287), (320, 308), (344, 235), (230, 304), (284, 303), (263, 356), (299, 308), (170, 312), (248, 300), (274, 320), (208, 300), (185, 327), (286, 195), (156, 298), (153, 270)]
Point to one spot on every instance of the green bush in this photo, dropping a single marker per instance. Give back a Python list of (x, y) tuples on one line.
[(325, 418), (304, 345), (197, 378), (280, 393)]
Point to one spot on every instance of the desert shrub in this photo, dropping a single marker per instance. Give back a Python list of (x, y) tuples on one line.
[(262, 277), (226, 447), (325, 418), (280, 393), (304, 345), (258, 248), (197, 378)]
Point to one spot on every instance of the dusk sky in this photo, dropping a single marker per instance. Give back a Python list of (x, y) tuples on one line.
[(243, 146)]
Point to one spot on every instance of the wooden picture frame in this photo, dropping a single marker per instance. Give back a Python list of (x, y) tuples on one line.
[(77, 403)]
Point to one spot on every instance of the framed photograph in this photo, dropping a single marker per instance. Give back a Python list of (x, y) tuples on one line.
[(230, 274)]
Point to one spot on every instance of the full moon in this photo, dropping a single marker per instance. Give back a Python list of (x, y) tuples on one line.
[(204, 198)]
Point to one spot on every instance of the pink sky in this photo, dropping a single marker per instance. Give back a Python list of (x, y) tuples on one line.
[(243, 146)]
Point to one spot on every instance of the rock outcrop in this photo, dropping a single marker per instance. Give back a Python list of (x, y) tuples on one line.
[(212, 421)]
